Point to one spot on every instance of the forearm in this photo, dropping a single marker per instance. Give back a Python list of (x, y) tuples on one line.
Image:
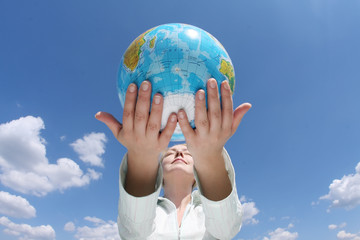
[(141, 174), (223, 217), (136, 214), (213, 176)]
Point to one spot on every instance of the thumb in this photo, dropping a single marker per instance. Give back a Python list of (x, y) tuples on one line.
[(111, 122), (239, 113)]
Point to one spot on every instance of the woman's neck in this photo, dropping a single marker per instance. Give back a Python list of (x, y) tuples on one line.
[(180, 197), (179, 194)]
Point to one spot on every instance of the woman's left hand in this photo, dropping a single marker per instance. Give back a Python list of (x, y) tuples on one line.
[(215, 125)]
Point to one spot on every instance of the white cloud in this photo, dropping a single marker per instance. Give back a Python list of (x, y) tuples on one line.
[(342, 235), (345, 192), (27, 232), (282, 234), (24, 166), (315, 203), (69, 227), (90, 148), (272, 219), (15, 206), (250, 211), (101, 230), (95, 220), (333, 226), (21, 146)]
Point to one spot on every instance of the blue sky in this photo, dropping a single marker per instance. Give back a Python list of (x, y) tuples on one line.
[(296, 153)]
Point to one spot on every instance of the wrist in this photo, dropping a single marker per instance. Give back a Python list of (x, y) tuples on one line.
[(142, 156), (143, 162), (209, 161)]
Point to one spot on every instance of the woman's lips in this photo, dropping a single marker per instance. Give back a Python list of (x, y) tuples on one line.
[(179, 159)]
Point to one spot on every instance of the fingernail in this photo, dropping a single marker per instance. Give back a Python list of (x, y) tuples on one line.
[(212, 83), (97, 114), (173, 118), (201, 95), (132, 87), (226, 85), (157, 99), (181, 115), (145, 86)]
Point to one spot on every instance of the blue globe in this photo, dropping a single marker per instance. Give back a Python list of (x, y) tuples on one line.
[(177, 59)]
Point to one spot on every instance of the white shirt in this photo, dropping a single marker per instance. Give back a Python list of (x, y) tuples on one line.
[(154, 217)]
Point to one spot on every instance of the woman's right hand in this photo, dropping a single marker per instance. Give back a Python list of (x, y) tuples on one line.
[(140, 132)]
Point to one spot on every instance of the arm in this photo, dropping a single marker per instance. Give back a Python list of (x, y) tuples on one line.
[(223, 218), (139, 133), (213, 128), (139, 172), (212, 165), (136, 214)]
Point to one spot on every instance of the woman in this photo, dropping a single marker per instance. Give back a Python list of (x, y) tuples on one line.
[(214, 211)]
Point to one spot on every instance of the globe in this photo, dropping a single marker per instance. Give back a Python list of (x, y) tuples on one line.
[(177, 59)]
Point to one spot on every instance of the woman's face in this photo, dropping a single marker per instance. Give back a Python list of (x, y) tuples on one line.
[(178, 159)]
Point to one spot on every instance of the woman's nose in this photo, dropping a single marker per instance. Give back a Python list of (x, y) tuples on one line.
[(179, 153)]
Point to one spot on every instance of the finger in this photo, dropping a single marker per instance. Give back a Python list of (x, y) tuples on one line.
[(214, 111), (239, 113), (154, 123), (114, 125), (226, 106), (142, 108), (129, 107), (185, 126), (168, 131), (201, 116)]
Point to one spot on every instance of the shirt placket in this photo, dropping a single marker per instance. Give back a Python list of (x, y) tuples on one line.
[(182, 220)]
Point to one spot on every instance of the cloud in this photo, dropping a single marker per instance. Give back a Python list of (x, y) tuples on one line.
[(90, 148), (342, 235), (69, 227), (282, 234), (333, 226), (250, 211), (24, 166), (345, 192), (100, 230), (95, 220), (27, 232), (15, 206)]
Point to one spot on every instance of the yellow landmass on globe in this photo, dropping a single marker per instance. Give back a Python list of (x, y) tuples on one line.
[(227, 69), (152, 42), (132, 54)]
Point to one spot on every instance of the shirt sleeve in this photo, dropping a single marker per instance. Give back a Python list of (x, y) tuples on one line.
[(136, 214), (223, 218)]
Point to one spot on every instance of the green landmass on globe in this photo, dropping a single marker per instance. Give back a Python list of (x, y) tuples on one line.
[(132, 54), (227, 69), (177, 59)]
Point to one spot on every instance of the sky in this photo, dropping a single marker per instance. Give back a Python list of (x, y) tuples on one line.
[(296, 153)]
